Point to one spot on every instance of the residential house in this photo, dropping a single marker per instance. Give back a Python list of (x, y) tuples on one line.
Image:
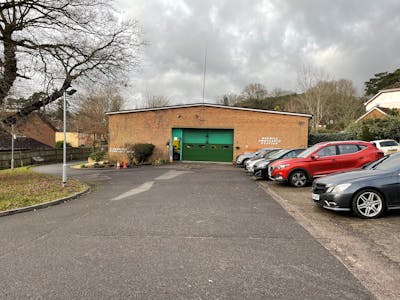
[(382, 104)]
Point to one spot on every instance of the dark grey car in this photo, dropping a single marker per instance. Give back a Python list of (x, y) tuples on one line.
[(367, 192)]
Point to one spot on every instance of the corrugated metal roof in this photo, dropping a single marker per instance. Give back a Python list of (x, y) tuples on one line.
[(207, 105)]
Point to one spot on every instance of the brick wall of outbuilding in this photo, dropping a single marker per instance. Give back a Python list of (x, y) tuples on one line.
[(37, 128), (249, 127), (374, 114)]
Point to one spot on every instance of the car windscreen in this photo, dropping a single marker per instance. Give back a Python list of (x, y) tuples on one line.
[(388, 143), (389, 163), (278, 154), (308, 151), (270, 153)]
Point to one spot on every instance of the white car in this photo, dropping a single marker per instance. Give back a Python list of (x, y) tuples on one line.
[(249, 164), (387, 146)]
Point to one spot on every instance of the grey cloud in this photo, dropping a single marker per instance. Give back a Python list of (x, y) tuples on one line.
[(260, 41)]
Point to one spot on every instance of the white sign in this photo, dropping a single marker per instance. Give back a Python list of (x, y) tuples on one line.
[(118, 150), (267, 140)]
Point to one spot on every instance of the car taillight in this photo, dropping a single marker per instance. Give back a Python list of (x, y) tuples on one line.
[(380, 154)]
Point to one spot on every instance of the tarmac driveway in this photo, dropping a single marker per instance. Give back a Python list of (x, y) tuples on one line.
[(176, 232)]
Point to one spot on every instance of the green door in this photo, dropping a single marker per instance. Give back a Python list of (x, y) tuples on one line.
[(207, 145)]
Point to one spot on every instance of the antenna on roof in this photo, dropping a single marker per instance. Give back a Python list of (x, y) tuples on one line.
[(205, 69)]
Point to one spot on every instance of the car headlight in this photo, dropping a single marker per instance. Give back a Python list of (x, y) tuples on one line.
[(263, 165), (280, 167), (338, 188)]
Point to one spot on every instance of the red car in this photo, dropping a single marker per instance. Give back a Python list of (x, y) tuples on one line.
[(321, 159)]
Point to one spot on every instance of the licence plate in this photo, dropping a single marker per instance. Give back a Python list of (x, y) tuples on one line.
[(315, 197)]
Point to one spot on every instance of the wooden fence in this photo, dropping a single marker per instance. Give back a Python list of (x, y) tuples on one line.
[(33, 157)]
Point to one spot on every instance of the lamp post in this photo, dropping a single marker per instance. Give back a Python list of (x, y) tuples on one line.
[(64, 169), (12, 146)]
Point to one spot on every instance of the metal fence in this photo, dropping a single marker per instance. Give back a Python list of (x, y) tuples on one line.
[(33, 157)]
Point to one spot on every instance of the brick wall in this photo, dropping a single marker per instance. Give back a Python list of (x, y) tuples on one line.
[(252, 130), (375, 114), (76, 139), (36, 128)]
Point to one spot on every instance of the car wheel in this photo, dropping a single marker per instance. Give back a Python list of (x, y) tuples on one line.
[(368, 204), (298, 178), (244, 162)]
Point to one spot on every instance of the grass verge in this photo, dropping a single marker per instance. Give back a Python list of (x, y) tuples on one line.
[(22, 187)]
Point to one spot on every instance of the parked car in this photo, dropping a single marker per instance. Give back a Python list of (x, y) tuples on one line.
[(387, 146), (322, 159), (368, 192), (242, 158), (261, 167), (252, 161)]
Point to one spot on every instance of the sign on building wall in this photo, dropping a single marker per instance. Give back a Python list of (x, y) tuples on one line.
[(118, 150), (266, 140)]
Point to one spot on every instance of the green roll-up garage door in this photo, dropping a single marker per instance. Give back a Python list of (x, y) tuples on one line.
[(207, 145)]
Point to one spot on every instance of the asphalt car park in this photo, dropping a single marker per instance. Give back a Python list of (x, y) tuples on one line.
[(185, 231), (368, 248)]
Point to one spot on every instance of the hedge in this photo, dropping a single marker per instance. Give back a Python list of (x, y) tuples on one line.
[(315, 138)]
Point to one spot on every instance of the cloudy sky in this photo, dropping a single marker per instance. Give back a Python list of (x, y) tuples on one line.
[(255, 41)]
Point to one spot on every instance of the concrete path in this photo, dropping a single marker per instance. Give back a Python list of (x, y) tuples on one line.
[(184, 232)]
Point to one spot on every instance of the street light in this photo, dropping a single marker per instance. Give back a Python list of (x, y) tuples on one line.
[(13, 137), (64, 171)]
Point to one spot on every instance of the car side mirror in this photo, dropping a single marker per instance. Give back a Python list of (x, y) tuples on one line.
[(314, 157)]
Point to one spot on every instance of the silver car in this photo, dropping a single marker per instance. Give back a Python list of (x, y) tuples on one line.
[(249, 165), (242, 158)]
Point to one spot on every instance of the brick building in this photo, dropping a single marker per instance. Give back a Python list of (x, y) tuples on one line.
[(205, 132), (34, 127), (76, 139)]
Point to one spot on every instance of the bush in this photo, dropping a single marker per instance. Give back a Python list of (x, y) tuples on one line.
[(138, 153), (376, 129), (326, 137), (158, 162), (60, 144), (97, 155)]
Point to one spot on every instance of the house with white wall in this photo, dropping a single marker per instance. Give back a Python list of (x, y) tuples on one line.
[(382, 104)]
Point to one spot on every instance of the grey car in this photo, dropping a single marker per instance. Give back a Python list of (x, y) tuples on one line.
[(368, 192)]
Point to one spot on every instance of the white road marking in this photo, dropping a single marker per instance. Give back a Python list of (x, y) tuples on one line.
[(148, 185), (171, 174), (140, 189)]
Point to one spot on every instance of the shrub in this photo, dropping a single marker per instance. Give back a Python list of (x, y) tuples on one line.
[(60, 144), (97, 155), (138, 153), (376, 129), (158, 162)]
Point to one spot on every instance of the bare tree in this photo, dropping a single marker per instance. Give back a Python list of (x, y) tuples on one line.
[(331, 102), (314, 98), (254, 91), (156, 101), (90, 116), (345, 105), (57, 42)]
